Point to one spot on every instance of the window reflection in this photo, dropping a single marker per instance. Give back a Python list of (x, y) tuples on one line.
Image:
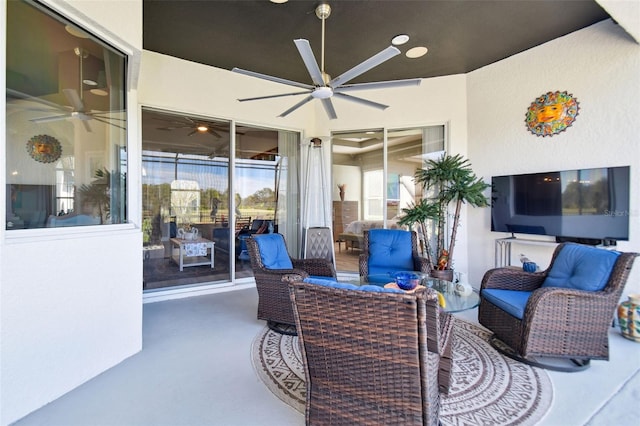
[(66, 123)]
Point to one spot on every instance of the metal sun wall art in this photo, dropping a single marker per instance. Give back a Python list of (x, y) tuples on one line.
[(551, 113), (44, 148)]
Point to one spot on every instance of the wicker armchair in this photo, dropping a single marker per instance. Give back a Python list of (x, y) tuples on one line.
[(370, 357), (274, 304), (390, 250), (550, 318)]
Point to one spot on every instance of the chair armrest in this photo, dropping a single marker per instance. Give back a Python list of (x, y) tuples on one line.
[(512, 279), (320, 267), (585, 306), (280, 272)]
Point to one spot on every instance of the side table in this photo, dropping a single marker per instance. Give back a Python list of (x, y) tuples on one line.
[(196, 252)]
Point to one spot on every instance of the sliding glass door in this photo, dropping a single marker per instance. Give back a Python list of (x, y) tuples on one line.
[(373, 181), (207, 185)]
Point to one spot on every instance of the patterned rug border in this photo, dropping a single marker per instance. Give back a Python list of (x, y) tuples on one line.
[(487, 388)]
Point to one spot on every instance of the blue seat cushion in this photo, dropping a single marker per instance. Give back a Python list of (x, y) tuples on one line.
[(511, 301), (581, 267), (273, 251), (347, 286), (390, 251)]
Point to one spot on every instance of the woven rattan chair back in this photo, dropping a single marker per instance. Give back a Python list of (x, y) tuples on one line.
[(369, 358)]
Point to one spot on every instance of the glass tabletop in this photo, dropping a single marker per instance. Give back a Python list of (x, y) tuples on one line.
[(458, 297)]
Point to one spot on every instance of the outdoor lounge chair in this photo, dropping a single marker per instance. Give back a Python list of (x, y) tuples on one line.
[(371, 355), (387, 251), (564, 312), (272, 268)]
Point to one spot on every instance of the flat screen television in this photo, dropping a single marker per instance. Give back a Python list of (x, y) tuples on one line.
[(590, 204)]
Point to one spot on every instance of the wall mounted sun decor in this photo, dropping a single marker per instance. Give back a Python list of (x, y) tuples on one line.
[(44, 148), (551, 113)]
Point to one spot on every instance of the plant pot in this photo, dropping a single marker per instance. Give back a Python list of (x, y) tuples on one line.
[(629, 317), (442, 274)]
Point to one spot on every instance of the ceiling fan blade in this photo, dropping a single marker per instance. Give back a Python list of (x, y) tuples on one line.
[(361, 101), (100, 119), (328, 107), (365, 66), (214, 133), (86, 125), (296, 106), (274, 96), (274, 79), (191, 133), (74, 99), (377, 85), (50, 118), (309, 61)]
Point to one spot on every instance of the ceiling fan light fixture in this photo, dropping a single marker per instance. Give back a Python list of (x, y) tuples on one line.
[(416, 52), (278, 1), (399, 39), (324, 92), (202, 128), (89, 82)]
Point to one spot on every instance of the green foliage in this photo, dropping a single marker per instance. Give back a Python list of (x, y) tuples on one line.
[(448, 180)]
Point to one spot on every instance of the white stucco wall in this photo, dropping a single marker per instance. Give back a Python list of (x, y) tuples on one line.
[(600, 66), (71, 299)]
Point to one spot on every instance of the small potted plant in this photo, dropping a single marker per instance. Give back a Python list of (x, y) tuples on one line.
[(446, 181)]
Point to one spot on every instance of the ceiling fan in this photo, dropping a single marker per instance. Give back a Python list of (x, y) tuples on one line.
[(200, 126), (324, 88), (77, 109)]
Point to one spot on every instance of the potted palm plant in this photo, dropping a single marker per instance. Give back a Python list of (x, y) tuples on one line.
[(446, 181)]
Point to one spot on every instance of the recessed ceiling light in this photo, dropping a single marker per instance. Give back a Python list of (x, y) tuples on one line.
[(76, 32), (399, 39), (99, 92), (278, 1), (416, 52)]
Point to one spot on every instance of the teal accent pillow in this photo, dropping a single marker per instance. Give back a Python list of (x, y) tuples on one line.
[(581, 267), (511, 301), (273, 251), (390, 251)]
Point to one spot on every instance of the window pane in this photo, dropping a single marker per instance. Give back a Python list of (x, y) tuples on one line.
[(66, 123)]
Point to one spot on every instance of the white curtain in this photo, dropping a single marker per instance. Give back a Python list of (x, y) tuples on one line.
[(287, 188)]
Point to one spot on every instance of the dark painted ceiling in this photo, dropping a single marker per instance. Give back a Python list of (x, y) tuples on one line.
[(258, 35)]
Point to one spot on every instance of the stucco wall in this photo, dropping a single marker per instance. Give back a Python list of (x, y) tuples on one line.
[(71, 299), (600, 66)]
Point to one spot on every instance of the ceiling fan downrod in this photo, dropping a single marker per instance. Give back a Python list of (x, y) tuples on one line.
[(323, 11)]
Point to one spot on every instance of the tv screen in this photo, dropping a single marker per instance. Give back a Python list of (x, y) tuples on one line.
[(587, 203)]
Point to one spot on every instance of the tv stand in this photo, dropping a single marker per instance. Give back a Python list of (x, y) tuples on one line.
[(503, 248)]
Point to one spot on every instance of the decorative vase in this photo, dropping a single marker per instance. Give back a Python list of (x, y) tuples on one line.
[(442, 274), (629, 317)]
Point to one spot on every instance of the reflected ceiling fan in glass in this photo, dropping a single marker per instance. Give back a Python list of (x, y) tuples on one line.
[(77, 108), (324, 88)]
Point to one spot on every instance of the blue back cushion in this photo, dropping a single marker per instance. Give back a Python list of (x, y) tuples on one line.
[(273, 251), (511, 301), (582, 268), (389, 251)]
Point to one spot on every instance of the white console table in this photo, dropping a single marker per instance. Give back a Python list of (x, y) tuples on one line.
[(503, 248)]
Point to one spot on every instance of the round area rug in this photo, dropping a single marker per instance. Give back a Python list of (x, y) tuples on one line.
[(486, 387)]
